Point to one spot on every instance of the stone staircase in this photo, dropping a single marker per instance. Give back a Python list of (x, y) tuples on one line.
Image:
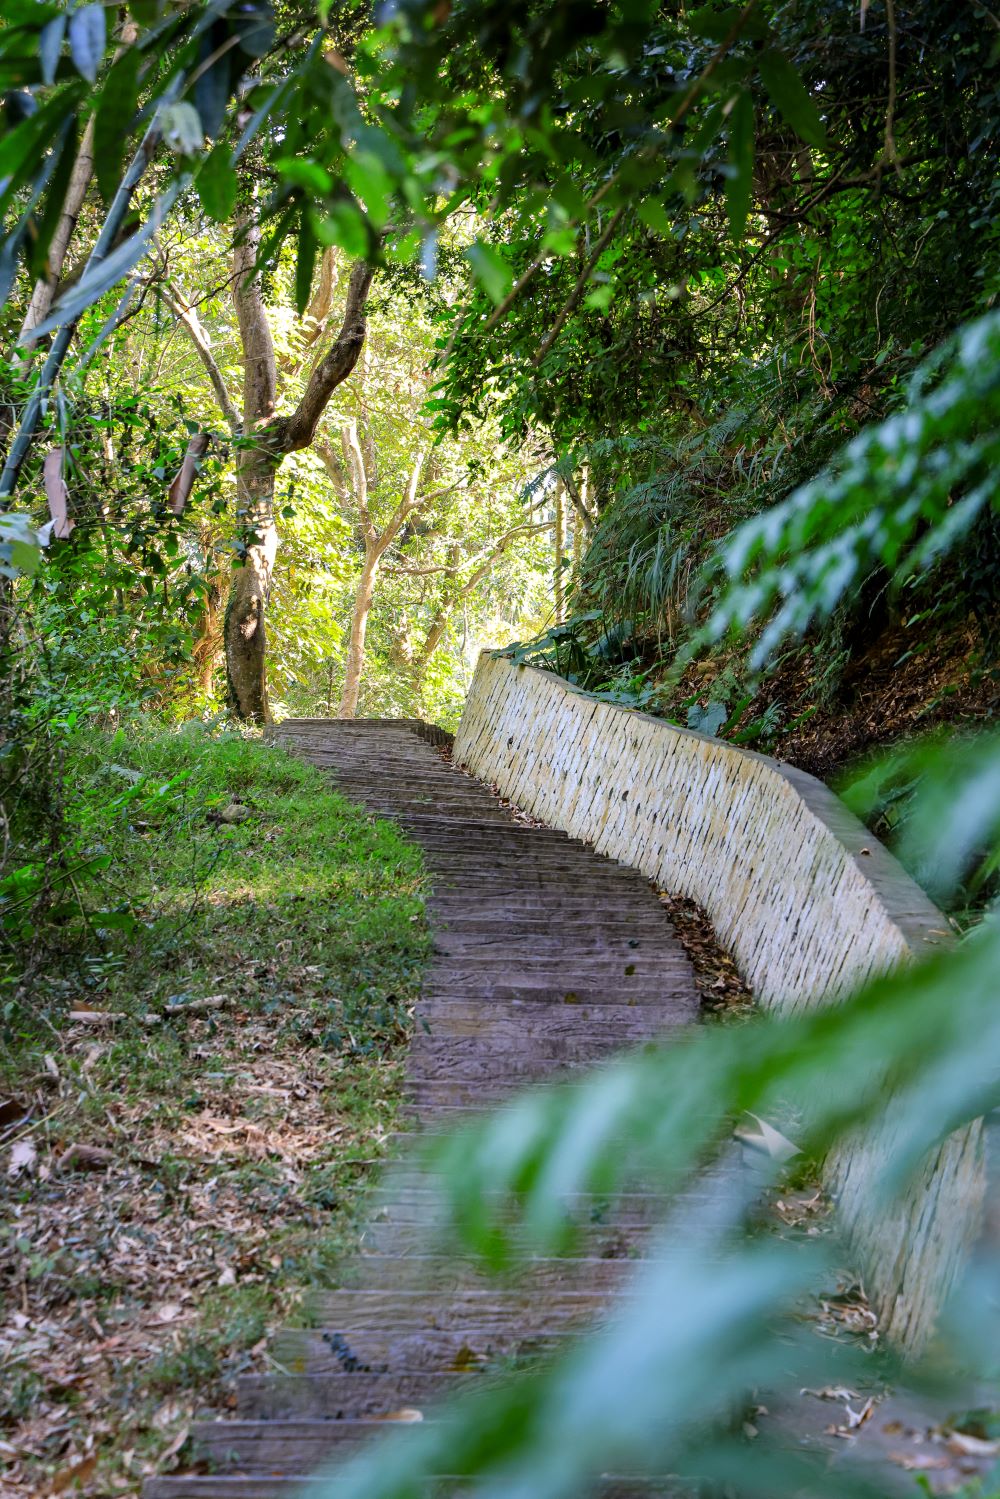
[(547, 958)]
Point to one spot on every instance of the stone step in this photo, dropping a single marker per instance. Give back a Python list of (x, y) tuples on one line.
[(561, 903), (605, 1241), (271, 1397), (370, 1310), (284, 1486), (628, 971), (512, 1067), (548, 958), (583, 947), (425, 1205), (509, 1021), (278, 1447), (651, 923), (447, 1273), (671, 995), (308, 1351)]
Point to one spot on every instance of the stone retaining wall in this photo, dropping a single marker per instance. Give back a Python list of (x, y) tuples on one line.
[(808, 903)]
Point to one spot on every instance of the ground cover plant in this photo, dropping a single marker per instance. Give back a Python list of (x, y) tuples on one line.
[(196, 1094)]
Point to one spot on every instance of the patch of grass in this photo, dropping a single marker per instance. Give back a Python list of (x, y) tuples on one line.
[(239, 1134)]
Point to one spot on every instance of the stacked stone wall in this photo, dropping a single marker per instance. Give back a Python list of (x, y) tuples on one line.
[(807, 901)]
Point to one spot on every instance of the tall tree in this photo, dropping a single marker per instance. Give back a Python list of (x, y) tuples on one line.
[(265, 439)]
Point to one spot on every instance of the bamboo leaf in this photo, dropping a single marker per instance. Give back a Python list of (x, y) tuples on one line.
[(87, 37), (217, 183), (114, 121), (50, 47), (739, 186)]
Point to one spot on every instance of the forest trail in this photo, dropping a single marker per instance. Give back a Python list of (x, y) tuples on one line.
[(547, 957)]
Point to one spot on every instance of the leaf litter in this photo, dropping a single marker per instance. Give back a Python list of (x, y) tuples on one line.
[(109, 1250)]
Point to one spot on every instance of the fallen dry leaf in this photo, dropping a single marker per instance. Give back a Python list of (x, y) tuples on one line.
[(85, 1158), (769, 1141), (858, 1418), (76, 1473), (196, 1006), (169, 1453), (916, 1462), (966, 1446), (11, 1109), (169, 1312), (23, 1159)]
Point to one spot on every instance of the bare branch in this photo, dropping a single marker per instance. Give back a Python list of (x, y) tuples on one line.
[(457, 567), (190, 321), (180, 490), (330, 459), (314, 319), (579, 504), (359, 478)]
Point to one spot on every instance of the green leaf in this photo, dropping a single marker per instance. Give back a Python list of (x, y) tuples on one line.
[(653, 214), (64, 149), (491, 270), (87, 37), (50, 46), (211, 89), (256, 29), (739, 185), (113, 121), (20, 546), (302, 172), (345, 226), (104, 274), (146, 12), (182, 128), (717, 25), (218, 184), (790, 96), (600, 299)]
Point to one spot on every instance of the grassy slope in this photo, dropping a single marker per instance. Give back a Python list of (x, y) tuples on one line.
[(238, 1137)]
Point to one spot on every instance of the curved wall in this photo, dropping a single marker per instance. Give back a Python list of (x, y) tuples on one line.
[(808, 903)]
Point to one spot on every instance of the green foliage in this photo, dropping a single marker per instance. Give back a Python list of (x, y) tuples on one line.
[(904, 494), (156, 881)]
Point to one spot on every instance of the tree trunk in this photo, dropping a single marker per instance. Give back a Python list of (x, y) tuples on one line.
[(273, 438), (359, 626), (246, 613), (560, 550)]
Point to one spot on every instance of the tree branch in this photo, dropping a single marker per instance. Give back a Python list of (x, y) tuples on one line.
[(457, 567), (359, 479), (335, 366), (190, 321)]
